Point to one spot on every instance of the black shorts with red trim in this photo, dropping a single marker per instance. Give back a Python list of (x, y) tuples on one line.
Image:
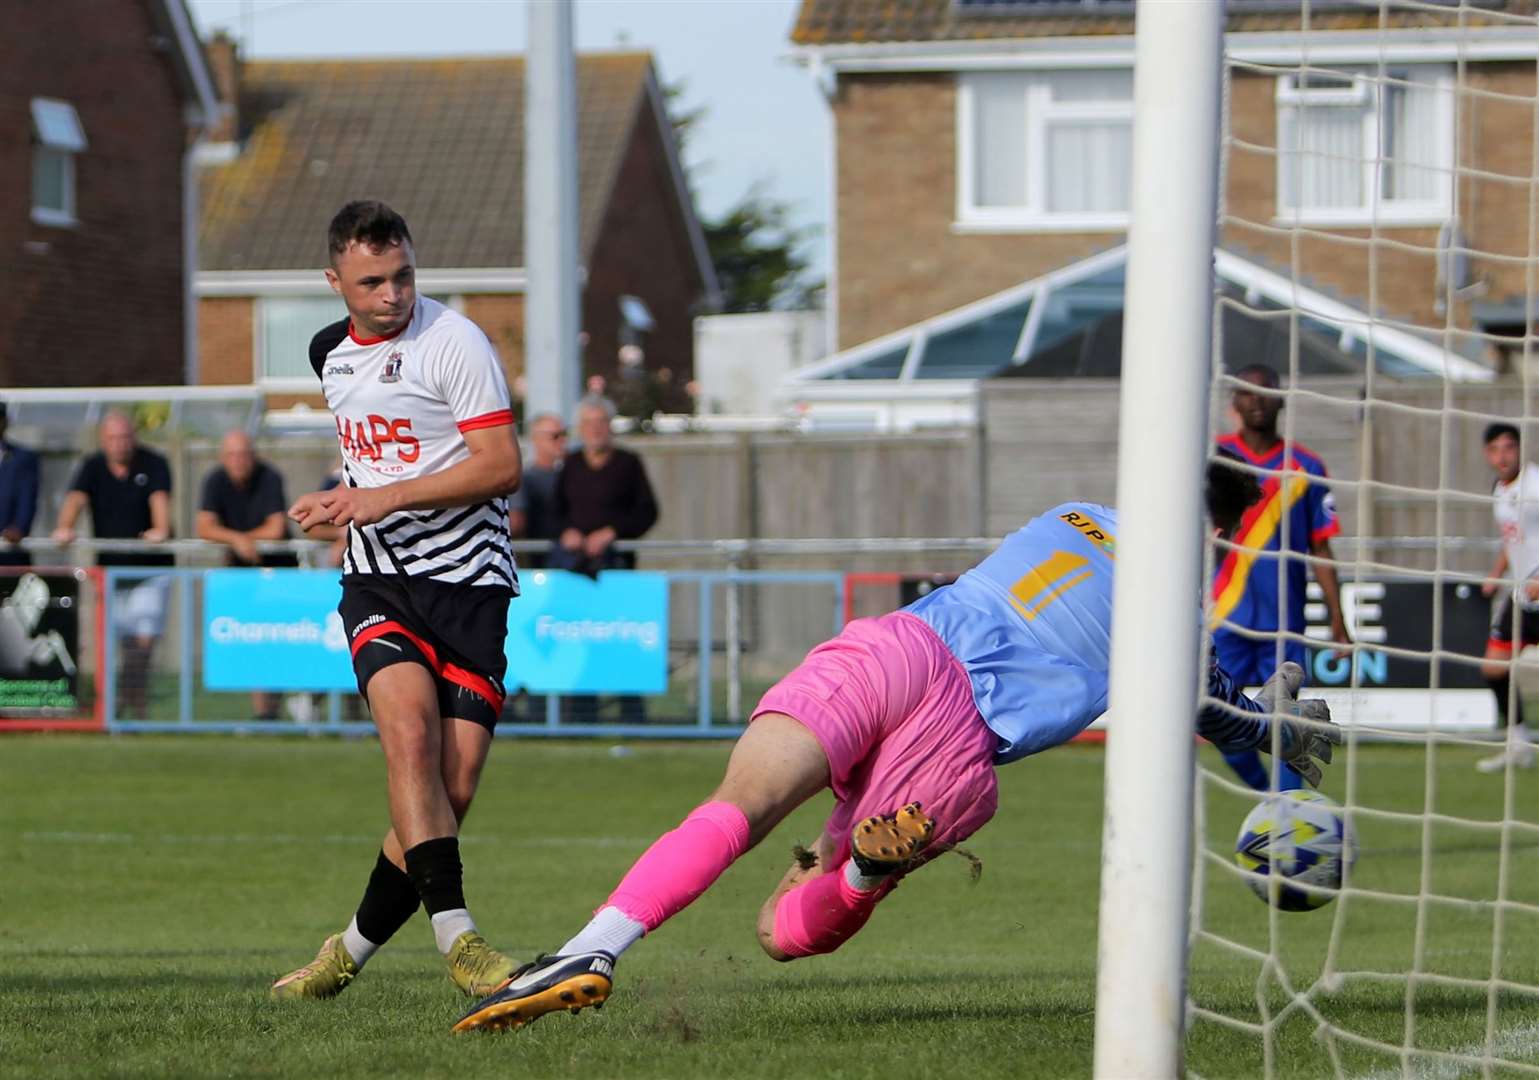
[(455, 631), (1502, 626)]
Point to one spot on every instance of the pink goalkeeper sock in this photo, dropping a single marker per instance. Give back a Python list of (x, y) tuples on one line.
[(819, 915), (682, 864)]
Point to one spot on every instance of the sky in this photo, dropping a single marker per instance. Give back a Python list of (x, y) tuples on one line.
[(765, 123)]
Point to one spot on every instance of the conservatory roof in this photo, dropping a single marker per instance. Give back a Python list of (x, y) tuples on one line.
[(1068, 323)]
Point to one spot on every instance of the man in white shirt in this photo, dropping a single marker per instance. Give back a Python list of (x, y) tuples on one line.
[(429, 455), (1515, 624)]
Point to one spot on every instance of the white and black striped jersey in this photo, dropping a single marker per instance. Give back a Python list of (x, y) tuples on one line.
[(402, 404), (1517, 516)]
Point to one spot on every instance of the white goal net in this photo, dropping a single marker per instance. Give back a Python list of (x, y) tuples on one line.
[(1379, 219)]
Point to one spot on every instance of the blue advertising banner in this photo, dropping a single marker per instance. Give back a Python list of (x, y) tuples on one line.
[(274, 630), (571, 634)]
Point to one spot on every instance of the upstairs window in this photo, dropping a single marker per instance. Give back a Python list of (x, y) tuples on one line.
[(1045, 150), (1352, 147), (285, 325), (56, 138)]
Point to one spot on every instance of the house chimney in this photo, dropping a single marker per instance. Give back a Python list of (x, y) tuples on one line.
[(224, 61)]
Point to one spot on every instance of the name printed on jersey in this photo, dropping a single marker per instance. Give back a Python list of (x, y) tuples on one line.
[(403, 404)]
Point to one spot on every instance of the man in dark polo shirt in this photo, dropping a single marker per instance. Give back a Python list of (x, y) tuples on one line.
[(602, 495), (127, 488), (242, 502)]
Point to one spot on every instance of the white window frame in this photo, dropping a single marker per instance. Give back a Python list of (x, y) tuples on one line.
[(280, 384), (1041, 112), (1366, 91), (56, 133)]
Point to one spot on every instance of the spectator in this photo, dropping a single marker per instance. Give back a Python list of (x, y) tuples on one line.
[(337, 534), (532, 516), (602, 495), (127, 488), (243, 502), (18, 497), (532, 508)]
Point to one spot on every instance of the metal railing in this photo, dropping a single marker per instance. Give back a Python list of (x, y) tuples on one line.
[(184, 583), (719, 607)]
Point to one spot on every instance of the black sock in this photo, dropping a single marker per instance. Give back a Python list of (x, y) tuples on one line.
[(388, 902), (434, 866), (1501, 686)]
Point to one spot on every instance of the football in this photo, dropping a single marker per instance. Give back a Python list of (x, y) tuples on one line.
[(1300, 838)]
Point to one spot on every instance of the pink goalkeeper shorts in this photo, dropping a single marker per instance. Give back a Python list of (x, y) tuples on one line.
[(894, 713)]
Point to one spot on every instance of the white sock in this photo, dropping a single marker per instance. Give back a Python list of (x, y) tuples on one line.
[(862, 882), (358, 947), (1521, 735), (448, 925), (611, 931)]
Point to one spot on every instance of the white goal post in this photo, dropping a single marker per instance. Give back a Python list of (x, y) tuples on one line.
[(1376, 162), (1163, 428)]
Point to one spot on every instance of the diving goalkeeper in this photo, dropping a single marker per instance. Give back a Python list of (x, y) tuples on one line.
[(906, 717)]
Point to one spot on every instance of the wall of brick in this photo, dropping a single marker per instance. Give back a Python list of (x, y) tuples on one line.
[(642, 249), (1379, 271), (1499, 214), (226, 340), (501, 318), (101, 302), (900, 258)]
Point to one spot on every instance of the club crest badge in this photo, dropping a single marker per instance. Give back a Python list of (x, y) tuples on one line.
[(392, 369)]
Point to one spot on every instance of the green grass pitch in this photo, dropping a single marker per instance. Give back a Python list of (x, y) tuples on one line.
[(152, 888)]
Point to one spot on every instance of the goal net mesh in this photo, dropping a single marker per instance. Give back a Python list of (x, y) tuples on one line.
[(1378, 237)]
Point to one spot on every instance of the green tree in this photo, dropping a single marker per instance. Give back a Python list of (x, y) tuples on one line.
[(754, 249), (755, 244)]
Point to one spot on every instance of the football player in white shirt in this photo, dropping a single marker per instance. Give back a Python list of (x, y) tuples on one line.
[(429, 455), (1517, 517)]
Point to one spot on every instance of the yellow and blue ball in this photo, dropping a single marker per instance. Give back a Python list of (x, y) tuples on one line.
[(1297, 842)]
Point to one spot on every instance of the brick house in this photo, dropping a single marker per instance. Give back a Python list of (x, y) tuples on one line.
[(100, 104), (308, 136), (983, 146)]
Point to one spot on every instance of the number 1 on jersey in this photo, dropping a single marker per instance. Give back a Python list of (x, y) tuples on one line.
[(1047, 581)]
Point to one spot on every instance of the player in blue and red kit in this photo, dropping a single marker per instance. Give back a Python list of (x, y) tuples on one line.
[(915, 709), (1295, 514)]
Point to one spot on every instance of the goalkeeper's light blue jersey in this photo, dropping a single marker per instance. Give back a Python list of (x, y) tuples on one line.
[(1031, 624)]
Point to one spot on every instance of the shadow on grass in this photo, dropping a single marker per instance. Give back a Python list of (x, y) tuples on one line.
[(1463, 848), (812, 982), (142, 954), (1341, 1005), (132, 983)]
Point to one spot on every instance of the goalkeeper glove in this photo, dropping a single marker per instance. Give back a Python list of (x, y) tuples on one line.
[(1306, 730)]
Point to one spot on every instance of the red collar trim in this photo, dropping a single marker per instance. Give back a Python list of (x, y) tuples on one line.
[(376, 340), (1236, 443)]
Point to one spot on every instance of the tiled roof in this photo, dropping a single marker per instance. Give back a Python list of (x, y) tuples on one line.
[(854, 22), (441, 141)]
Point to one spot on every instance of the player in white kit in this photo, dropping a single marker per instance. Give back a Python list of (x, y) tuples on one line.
[(1515, 624), (429, 455)]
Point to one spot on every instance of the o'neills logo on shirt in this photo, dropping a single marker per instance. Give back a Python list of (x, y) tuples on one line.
[(369, 439)]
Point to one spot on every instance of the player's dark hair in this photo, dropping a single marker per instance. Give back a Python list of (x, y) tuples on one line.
[(368, 222), (1229, 491), (1260, 375), (1497, 430)]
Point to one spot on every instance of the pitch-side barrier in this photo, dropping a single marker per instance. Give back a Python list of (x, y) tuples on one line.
[(162, 649)]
